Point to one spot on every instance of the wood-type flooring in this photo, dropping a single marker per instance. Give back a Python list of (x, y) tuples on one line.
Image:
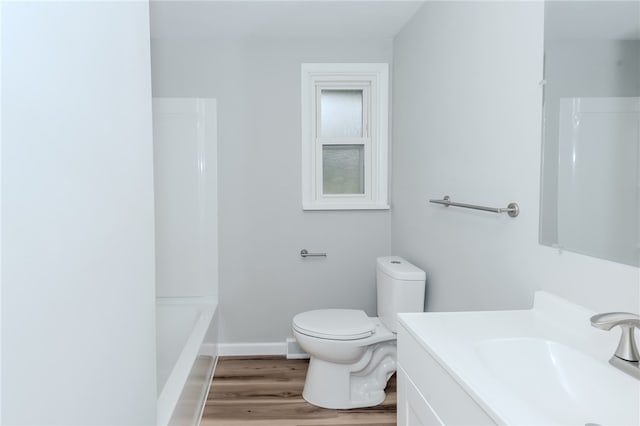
[(261, 391)]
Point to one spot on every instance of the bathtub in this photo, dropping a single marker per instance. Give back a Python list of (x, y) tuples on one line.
[(181, 326)]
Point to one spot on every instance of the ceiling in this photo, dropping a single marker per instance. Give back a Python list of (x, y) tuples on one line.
[(180, 19), (603, 20), (186, 19)]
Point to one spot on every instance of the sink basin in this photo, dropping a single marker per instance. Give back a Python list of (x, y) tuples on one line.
[(543, 366), (576, 386)]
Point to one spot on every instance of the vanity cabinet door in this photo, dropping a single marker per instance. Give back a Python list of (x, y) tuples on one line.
[(427, 381), (413, 409)]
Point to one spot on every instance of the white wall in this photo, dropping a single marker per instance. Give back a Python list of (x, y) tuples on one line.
[(77, 221), (263, 280), (467, 120), (1, 274)]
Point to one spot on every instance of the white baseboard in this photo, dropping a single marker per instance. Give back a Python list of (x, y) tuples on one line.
[(246, 349)]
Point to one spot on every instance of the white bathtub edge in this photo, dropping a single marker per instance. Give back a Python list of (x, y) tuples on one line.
[(209, 382), (172, 389)]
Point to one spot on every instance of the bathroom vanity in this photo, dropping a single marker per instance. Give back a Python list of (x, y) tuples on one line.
[(545, 365), (427, 393)]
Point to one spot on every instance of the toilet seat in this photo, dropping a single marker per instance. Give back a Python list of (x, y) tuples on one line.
[(335, 324)]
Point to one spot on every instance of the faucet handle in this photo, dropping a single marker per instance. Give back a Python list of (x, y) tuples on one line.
[(610, 319), (627, 348)]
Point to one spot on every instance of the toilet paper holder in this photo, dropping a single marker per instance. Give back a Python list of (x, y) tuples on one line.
[(305, 253)]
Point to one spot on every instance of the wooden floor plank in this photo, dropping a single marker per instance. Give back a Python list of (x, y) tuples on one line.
[(261, 391)]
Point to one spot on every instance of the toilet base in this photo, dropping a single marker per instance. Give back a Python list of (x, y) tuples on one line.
[(345, 386)]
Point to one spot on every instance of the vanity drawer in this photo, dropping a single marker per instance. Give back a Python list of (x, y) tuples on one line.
[(451, 403)]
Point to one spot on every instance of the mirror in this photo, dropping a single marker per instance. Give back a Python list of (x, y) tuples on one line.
[(590, 200)]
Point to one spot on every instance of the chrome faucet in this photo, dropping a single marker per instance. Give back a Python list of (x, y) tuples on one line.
[(626, 357)]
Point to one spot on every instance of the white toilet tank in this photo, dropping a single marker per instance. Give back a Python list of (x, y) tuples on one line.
[(400, 289)]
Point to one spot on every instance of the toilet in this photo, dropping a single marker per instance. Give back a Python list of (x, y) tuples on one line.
[(352, 355)]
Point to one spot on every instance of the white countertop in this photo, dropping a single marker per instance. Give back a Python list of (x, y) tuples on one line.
[(546, 365)]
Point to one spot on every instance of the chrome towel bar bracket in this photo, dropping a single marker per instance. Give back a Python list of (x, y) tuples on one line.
[(305, 253), (513, 210)]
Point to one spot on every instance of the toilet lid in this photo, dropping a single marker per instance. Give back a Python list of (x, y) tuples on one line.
[(335, 324)]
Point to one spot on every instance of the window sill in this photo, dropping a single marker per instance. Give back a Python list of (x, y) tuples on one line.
[(346, 207)]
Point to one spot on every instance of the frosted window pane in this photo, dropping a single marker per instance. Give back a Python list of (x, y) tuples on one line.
[(343, 169), (341, 113)]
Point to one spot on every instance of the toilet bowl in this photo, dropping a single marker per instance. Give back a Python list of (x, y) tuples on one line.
[(352, 355), (350, 363)]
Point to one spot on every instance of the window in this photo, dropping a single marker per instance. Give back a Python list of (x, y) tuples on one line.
[(345, 136)]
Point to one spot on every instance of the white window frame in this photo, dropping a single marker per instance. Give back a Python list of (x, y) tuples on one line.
[(373, 79)]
